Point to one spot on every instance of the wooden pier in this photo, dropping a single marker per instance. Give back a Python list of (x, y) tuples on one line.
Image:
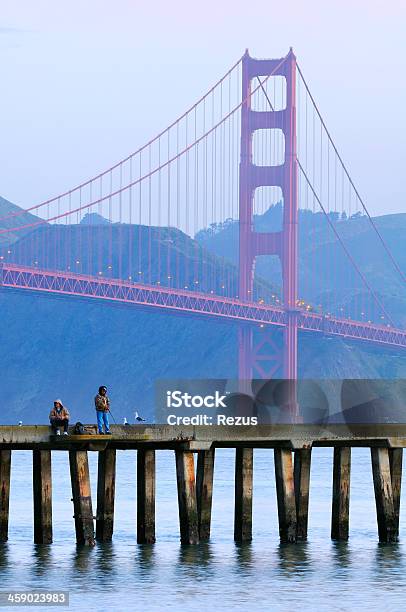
[(194, 456)]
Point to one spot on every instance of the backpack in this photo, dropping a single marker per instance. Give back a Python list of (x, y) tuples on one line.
[(79, 429)]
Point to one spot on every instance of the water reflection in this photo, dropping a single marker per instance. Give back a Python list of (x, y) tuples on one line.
[(388, 561), (4, 561), (243, 556), (341, 555), (294, 559), (82, 559), (104, 561), (196, 558), (146, 557), (41, 560)]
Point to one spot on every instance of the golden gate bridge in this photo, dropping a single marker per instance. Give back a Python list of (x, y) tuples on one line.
[(142, 231)]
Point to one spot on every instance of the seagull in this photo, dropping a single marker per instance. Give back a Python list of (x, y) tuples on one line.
[(20, 423), (125, 422), (138, 418)]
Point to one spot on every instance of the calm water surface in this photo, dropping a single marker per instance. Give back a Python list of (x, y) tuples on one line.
[(263, 575)]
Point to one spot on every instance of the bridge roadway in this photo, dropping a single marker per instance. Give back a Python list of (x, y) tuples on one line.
[(195, 438), (189, 302)]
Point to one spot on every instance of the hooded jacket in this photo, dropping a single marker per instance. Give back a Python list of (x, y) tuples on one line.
[(63, 413)]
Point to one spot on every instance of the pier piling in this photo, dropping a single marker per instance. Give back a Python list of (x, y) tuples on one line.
[(185, 473), (146, 496), (244, 461), (341, 493), (395, 463), (82, 497), (285, 492), (5, 469), (42, 493), (385, 511), (106, 484), (204, 491), (302, 485)]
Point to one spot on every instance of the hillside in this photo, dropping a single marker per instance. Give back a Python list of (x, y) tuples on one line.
[(8, 219), (324, 272), (54, 346)]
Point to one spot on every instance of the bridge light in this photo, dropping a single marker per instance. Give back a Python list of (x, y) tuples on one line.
[(262, 325), (139, 272), (158, 282), (100, 273), (77, 261), (9, 252), (196, 282), (186, 287), (109, 267), (130, 278)]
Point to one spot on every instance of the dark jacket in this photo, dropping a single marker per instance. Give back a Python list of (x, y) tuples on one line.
[(102, 403)]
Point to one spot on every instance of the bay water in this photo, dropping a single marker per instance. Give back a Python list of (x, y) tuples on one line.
[(220, 575)]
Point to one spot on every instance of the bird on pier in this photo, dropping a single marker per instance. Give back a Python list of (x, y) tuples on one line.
[(20, 423), (138, 418)]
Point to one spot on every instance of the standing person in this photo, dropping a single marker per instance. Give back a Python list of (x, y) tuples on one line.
[(102, 403), (59, 417)]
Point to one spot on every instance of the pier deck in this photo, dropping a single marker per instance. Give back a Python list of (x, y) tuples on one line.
[(292, 444), (391, 435)]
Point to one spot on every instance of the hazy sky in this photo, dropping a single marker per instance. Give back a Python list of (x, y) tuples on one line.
[(84, 83)]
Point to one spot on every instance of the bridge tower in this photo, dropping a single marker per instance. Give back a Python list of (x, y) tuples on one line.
[(263, 359)]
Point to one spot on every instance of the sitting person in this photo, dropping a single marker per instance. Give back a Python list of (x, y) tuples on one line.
[(59, 417)]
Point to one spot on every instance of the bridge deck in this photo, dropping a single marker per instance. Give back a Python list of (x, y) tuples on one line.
[(204, 437), (195, 303)]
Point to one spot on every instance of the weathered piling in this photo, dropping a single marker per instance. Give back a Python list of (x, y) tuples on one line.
[(146, 496), (204, 491), (302, 465), (42, 493), (81, 497), (385, 511), (285, 491), (5, 470), (341, 493), (395, 462), (195, 491), (185, 474), (244, 462), (106, 485)]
